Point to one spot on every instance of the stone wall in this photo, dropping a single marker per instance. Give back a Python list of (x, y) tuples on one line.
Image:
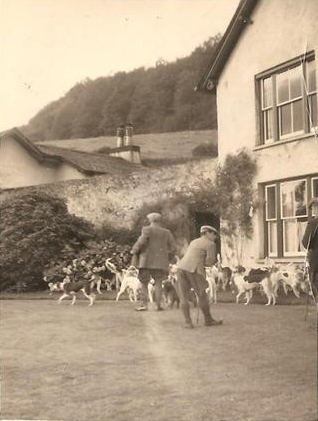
[(116, 201)]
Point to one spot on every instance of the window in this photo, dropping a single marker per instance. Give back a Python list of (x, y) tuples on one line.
[(293, 200), (286, 215), (311, 87), (288, 100), (271, 219), (314, 187)]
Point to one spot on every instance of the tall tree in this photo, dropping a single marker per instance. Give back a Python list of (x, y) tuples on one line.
[(158, 99)]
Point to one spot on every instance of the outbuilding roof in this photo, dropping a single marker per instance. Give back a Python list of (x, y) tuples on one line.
[(240, 19), (89, 163)]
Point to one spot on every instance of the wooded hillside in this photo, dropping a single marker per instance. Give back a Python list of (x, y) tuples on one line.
[(158, 99)]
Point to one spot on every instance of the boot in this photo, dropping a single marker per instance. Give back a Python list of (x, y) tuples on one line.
[(213, 322)]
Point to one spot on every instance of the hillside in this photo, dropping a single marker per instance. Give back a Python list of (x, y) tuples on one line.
[(155, 146), (159, 99)]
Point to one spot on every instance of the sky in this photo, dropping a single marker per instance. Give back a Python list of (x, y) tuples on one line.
[(47, 46)]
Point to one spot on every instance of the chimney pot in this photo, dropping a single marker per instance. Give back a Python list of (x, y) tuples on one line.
[(120, 136)]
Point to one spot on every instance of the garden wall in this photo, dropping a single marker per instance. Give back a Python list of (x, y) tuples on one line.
[(116, 201)]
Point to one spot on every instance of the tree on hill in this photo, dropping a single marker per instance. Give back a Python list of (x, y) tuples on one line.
[(158, 99), (35, 229)]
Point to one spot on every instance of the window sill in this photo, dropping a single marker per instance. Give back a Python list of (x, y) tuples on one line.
[(284, 141), (284, 260)]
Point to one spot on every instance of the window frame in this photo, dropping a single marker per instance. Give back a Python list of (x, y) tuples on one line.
[(268, 220), (312, 186), (280, 220), (276, 118), (285, 219), (281, 202), (309, 94), (265, 110)]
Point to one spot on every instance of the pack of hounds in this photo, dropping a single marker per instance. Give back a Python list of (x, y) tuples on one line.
[(84, 276)]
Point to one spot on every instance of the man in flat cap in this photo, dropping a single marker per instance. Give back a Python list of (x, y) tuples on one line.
[(310, 242), (191, 274), (151, 253)]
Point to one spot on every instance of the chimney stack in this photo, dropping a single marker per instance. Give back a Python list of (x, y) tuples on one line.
[(129, 134), (120, 136), (125, 148)]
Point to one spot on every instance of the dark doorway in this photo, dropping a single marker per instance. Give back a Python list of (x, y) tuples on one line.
[(199, 218)]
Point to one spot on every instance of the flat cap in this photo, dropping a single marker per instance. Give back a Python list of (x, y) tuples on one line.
[(208, 228), (314, 201), (154, 216)]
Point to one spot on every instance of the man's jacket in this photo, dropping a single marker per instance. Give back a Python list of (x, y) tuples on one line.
[(154, 247), (200, 253), (310, 241)]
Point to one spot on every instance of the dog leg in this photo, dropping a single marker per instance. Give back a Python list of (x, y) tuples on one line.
[(98, 285), (248, 296), (150, 293), (73, 299), (62, 298), (295, 291), (131, 295), (214, 295), (268, 299), (91, 298), (119, 293), (238, 296)]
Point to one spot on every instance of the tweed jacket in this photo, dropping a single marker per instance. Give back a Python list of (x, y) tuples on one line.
[(153, 248), (200, 253), (310, 240)]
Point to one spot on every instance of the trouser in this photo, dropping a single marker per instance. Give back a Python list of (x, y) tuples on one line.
[(186, 281), (313, 276), (158, 275)]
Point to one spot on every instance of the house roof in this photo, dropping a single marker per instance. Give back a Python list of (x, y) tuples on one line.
[(232, 34), (89, 163), (28, 145)]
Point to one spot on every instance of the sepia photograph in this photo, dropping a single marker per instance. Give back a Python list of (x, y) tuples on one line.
[(158, 210)]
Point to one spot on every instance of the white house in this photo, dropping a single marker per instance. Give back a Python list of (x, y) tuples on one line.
[(265, 75), (23, 163)]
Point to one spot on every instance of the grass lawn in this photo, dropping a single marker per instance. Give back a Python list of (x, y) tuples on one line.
[(154, 145), (108, 362)]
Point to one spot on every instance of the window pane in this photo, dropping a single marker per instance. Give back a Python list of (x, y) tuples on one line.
[(295, 82), (271, 202), (267, 92), (293, 196), (315, 187), (297, 107), (293, 233), (311, 76), (282, 87), (285, 119), (267, 124), (313, 110), (272, 238)]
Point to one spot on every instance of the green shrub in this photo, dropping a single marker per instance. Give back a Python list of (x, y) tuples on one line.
[(206, 149), (35, 229), (120, 236)]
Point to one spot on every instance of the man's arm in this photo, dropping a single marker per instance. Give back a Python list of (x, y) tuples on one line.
[(141, 242), (171, 244), (308, 233), (210, 255)]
